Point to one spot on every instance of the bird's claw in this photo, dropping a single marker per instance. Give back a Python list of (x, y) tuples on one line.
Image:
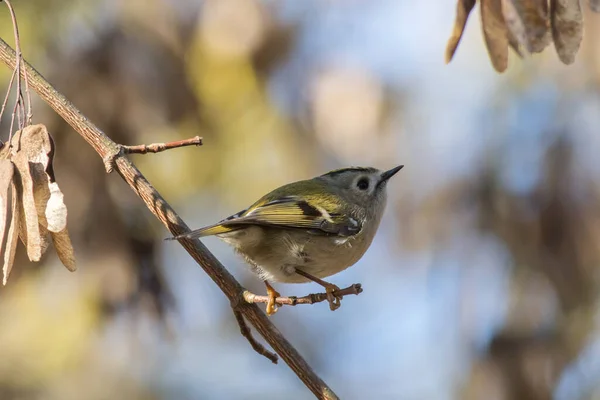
[(334, 301), (271, 303)]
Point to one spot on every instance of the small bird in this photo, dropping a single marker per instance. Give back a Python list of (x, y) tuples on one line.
[(307, 230)]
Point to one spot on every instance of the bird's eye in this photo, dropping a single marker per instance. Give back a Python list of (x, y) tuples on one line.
[(362, 184)]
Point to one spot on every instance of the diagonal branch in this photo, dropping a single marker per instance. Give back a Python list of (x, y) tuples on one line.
[(109, 150)]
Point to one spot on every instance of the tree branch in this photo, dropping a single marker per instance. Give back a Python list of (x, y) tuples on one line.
[(108, 150), (308, 299), (158, 147), (247, 333)]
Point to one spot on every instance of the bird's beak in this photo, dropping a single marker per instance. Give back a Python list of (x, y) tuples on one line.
[(388, 174)]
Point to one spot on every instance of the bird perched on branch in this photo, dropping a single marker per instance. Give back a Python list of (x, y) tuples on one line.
[(307, 230)]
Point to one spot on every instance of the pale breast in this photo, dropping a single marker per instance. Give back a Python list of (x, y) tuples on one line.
[(274, 254)]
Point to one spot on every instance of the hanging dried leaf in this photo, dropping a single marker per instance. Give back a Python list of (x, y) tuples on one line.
[(22, 225), (30, 148), (40, 210), (515, 28), (6, 177), (64, 248), (495, 33), (32, 235), (514, 22), (514, 44), (52, 211), (542, 34), (463, 9), (12, 237), (567, 28), (595, 5), (529, 21)]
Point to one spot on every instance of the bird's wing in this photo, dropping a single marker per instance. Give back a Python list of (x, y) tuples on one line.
[(291, 207), (297, 213), (289, 212)]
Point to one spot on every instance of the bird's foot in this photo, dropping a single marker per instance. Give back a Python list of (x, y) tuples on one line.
[(332, 298), (271, 303)]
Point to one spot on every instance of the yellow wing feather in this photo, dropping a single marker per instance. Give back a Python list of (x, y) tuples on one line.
[(291, 207)]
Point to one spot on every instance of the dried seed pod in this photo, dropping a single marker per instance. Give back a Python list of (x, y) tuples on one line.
[(526, 26), (56, 210), (56, 219), (6, 176), (13, 236), (495, 33), (64, 248), (514, 44), (514, 24), (536, 20), (9, 223), (40, 211), (463, 9), (529, 22), (567, 28), (30, 149)]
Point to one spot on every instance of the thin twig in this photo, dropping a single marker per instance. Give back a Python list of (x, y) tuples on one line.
[(313, 298), (247, 333), (158, 147), (18, 109), (106, 148), (29, 118)]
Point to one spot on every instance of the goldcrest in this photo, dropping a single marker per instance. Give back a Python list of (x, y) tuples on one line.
[(307, 230)]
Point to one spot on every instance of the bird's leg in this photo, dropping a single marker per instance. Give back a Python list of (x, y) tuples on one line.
[(330, 288), (273, 294)]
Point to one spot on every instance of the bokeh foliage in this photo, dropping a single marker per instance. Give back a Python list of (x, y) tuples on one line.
[(139, 321)]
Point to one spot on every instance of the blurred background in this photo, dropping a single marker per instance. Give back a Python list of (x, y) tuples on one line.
[(481, 283)]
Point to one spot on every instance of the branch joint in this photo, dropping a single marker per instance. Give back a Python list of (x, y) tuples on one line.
[(110, 159)]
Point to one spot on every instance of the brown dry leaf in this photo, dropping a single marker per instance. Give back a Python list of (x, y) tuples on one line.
[(463, 9), (514, 23), (530, 23), (52, 213), (42, 212), (31, 147), (64, 248), (13, 236), (38, 209), (515, 28), (34, 234), (539, 32), (514, 44), (21, 213), (6, 176), (567, 28), (595, 5), (495, 33)]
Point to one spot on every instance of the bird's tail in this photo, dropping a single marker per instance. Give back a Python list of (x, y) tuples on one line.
[(210, 230)]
